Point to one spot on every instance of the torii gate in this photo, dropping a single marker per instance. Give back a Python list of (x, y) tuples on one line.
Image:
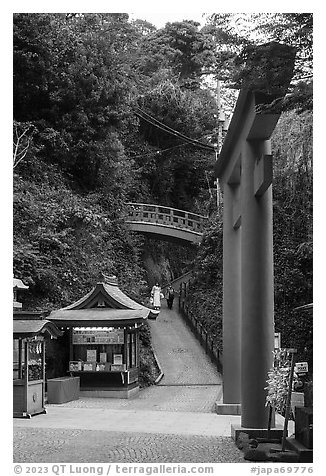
[(244, 170)]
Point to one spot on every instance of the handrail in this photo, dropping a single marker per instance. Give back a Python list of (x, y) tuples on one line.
[(166, 216), (198, 329), (205, 217), (180, 278)]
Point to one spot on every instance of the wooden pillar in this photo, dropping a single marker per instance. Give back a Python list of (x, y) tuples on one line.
[(71, 347), (25, 402), (257, 321), (127, 346)]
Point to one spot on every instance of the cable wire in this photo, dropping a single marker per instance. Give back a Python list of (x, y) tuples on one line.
[(169, 130), (154, 122), (157, 152)]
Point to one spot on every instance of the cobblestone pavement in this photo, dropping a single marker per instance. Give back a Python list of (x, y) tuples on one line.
[(79, 446), (199, 399)]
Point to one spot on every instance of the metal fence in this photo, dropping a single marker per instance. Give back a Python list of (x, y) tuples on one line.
[(206, 341)]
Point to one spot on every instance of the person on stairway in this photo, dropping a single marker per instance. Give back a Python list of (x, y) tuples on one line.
[(156, 295)]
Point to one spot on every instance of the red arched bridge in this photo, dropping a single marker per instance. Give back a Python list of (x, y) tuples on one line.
[(165, 222)]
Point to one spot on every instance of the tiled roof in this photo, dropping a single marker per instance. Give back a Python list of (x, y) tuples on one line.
[(28, 328), (18, 284), (98, 314), (105, 302)]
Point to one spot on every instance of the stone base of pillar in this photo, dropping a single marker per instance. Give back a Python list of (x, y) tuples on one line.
[(275, 433), (228, 408), (305, 454)]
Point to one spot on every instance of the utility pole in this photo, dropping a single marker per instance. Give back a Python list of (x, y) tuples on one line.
[(219, 137), (220, 113)]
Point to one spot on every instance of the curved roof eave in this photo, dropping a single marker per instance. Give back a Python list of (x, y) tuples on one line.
[(99, 317), (105, 303), (111, 293), (18, 284), (29, 328)]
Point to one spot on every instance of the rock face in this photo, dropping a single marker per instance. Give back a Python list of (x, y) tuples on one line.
[(249, 447), (157, 269), (166, 261), (255, 454)]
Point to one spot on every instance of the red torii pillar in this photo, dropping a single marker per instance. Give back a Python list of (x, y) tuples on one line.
[(244, 170)]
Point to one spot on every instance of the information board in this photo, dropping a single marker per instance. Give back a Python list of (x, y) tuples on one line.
[(91, 355), (301, 367), (103, 336)]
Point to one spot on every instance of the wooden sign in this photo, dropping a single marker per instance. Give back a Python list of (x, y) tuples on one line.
[(104, 336), (277, 340), (301, 367), (91, 355)]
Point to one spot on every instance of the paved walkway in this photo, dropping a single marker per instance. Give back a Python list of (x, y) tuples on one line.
[(176, 398), (145, 421), (171, 422), (191, 382), (183, 360)]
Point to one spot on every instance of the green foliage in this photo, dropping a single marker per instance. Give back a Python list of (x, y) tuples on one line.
[(71, 81), (148, 367), (295, 29), (206, 289), (293, 248), (181, 47), (145, 335), (77, 80), (91, 75), (62, 240), (267, 68), (279, 380), (247, 32), (176, 176)]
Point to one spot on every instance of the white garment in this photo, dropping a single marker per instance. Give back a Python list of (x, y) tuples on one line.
[(156, 294)]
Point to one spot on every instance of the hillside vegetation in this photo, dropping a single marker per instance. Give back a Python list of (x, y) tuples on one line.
[(94, 95), (78, 84)]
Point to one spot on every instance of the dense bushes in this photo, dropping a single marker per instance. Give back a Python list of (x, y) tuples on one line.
[(148, 367), (293, 245), (206, 289), (62, 240)]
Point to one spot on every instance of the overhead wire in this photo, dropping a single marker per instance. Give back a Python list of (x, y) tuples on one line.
[(149, 121), (169, 130), (157, 152), (156, 123)]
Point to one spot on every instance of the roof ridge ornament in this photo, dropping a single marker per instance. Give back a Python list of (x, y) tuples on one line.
[(105, 279)]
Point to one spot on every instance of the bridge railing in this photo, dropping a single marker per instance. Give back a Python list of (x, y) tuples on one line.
[(142, 212), (206, 341)]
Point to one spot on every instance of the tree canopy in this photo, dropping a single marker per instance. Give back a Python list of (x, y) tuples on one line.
[(108, 110), (242, 32)]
